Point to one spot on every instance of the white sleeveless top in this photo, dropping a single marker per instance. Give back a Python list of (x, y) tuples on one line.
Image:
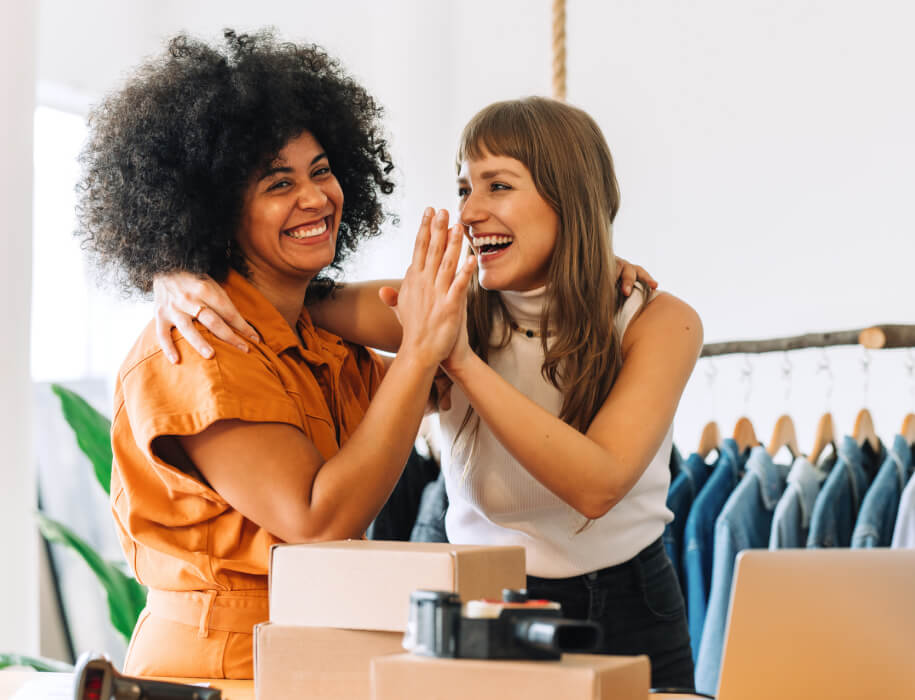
[(498, 502)]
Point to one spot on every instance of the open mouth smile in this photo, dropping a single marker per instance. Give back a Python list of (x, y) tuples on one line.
[(491, 245), (309, 230)]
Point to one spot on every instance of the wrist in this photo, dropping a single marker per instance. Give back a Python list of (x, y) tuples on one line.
[(460, 368), (416, 360)]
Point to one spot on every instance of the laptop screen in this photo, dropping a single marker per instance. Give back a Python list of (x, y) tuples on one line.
[(821, 623)]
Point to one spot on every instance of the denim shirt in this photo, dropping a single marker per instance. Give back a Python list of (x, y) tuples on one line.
[(744, 523), (680, 496), (676, 462), (699, 536), (874, 527), (791, 520), (430, 520), (837, 505), (904, 532)]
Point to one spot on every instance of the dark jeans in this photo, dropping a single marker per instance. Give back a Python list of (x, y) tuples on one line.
[(640, 608)]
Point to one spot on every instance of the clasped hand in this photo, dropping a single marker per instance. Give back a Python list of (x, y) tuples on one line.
[(432, 302)]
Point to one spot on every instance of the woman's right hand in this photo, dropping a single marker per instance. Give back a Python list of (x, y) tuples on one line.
[(182, 297), (432, 300)]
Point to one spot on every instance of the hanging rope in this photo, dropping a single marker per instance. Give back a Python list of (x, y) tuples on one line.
[(559, 49)]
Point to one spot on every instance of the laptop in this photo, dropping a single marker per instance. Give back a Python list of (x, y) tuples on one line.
[(836, 624)]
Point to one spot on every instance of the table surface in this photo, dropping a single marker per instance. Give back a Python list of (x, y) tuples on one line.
[(11, 681)]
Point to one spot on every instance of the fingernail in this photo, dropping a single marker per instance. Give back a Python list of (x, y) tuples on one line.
[(243, 347), (441, 215), (254, 338), (627, 288), (427, 213), (173, 358), (208, 353)]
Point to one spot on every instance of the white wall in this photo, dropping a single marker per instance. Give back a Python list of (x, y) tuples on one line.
[(765, 154), (18, 539), (764, 151)]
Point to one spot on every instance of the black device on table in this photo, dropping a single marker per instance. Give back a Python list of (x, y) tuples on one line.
[(95, 678), (513, 628)]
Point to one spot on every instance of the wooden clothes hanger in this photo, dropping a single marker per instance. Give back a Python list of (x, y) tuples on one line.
[(709, 440), (908, 428), (744, 434), (864, 432), (825, 435), (783, 435)]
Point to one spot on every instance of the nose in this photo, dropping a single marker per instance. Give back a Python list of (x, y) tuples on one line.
[(470, 211), (311, 196)]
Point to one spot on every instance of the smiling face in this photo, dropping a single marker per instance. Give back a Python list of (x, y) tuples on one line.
[(291, 215), (513, 228)]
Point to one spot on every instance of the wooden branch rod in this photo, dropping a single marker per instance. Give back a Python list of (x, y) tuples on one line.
[(874, 338)]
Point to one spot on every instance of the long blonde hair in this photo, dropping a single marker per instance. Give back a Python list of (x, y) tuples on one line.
[(572, 169)]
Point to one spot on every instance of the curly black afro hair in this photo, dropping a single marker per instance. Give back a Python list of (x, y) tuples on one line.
[(170, 155)]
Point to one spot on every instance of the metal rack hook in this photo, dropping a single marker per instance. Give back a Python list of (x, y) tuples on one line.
[(786, 369), (825, 367), (909, 364), (866, 369), (711, 373), (746, 375)]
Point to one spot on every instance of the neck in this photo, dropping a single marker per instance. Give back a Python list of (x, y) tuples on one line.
[(285, 293), (526, 307)]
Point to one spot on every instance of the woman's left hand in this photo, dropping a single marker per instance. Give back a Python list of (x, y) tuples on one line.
[(627, 274)]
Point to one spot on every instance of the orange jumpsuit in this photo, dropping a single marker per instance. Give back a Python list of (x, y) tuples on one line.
[(204, 563)]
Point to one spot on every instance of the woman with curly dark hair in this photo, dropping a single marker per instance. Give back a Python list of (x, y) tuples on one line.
[(235, 161)]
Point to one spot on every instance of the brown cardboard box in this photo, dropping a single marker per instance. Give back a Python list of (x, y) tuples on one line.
[(317, 662), (366, 585), (575, 677)]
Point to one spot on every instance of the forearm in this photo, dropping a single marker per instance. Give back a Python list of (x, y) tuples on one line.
[(584, 474), (351, 487), (356, 313)]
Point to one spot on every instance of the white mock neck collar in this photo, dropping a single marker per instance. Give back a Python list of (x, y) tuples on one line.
[(526, 307)]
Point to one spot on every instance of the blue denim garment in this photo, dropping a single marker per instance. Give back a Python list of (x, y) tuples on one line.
[(699, 536), (680, 496), (791, 520), (839, 501), (430, 520), (744, 523), (676, 462), (904, 532), (874, 527)]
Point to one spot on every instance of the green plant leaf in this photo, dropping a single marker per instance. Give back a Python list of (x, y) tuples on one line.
[(36, 662), (93, 432), (126, 597)]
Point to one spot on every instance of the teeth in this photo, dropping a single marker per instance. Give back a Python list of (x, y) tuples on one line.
[(309, 232), (490, 240)]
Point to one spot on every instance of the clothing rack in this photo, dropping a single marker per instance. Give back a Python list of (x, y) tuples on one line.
[(874, 338)]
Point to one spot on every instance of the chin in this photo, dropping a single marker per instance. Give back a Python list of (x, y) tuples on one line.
[(492, 283)]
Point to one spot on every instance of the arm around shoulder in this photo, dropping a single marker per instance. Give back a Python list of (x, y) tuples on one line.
[(355, 312)]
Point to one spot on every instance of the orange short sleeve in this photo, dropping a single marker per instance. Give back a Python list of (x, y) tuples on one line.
[(185, 399)]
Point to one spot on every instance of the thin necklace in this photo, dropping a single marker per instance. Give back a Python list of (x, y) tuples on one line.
[(527, 331)]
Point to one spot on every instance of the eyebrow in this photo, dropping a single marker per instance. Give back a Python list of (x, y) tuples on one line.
[(275, 167), (490, 174)]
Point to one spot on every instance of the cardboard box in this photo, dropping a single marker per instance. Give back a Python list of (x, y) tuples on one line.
[(575, 677), (317, 662), (365, 584)]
